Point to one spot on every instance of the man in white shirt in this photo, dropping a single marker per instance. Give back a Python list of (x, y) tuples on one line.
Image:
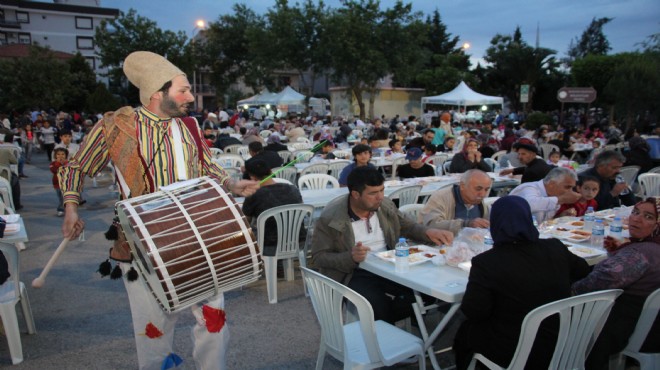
[(545, 196)]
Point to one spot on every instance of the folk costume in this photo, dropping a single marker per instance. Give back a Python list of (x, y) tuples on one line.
[(143, 149)]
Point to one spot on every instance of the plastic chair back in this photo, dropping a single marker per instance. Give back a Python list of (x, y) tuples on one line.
[(581, 319), (315, 168), (364, 344), (215, 152), (288, 173), (647, 361), (412, 211), (629, 173), (649, 184), (289, 219), (546, 149), (300, 145), (285, 155), (488, 202), (316, 181), (229, 160), (491, 162), (335, 168), (497, 155), (406, 194), (342, 154), (396, 163), (302, 155), (654, 170), (5, 172), (446, 166), (244, 152), (12, 292), (233, 149), (5, 193)]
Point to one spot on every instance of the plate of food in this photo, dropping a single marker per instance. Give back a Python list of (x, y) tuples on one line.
[(578, 236), (418, 254), (586, 252)]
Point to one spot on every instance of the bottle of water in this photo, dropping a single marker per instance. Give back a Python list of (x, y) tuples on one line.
[(401, 253), (535, 222), (616, 227), (598, 234), (589, 217)]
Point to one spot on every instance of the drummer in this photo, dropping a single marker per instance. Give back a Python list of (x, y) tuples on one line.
[(143, 148)]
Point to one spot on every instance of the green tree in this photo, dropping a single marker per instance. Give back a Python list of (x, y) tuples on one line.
[(592, 42), (101, 100), (513, 63), (40, 80), (83, 83), (131, 32)]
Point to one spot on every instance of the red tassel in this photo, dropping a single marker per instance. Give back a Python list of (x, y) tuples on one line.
[(214, 317)]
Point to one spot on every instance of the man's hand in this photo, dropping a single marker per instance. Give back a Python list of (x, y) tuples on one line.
[(72, 225), (481, 223), (440, 237), (568, 197), (618, 189), (506, 171), (244, 187), (359, 252)]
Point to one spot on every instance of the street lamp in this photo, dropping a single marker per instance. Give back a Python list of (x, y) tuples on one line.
[(465, 46), (199, 25)]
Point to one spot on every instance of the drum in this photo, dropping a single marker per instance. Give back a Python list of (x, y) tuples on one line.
[(190, 241)]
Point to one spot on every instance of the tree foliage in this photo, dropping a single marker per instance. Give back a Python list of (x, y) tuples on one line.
[(592, 42), (131, 32)]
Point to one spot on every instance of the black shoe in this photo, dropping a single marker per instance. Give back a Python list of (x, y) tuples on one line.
[(82, 202), (22, 176)]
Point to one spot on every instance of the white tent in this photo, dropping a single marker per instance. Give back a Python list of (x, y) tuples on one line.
[(462, 96), (263, 98), (289, 96)]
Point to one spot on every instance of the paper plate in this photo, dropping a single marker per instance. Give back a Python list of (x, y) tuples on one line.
[(586, 252)]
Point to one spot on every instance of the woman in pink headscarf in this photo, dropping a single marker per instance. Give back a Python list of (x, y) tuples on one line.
[(634, 266), (469, 158)]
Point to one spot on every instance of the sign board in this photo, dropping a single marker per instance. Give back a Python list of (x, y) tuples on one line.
[(524, 93), (576, 94)]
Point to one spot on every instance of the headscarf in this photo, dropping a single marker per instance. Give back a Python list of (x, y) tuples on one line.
[(274, 138), (655, 234), (503, 230), (464, 151), (637, 142)]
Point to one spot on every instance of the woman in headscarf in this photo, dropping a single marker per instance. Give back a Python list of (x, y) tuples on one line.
[(520, 273), (469, 158), (252, 135), (634, 266)]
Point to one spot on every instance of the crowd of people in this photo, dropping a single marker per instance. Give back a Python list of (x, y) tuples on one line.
[(364, 221)]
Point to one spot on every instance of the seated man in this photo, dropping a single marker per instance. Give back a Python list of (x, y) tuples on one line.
[(461, 205), (545, 196), (534, 168), (415, 166), (361, 158), (364, 221), (257, 152), (605, 169)]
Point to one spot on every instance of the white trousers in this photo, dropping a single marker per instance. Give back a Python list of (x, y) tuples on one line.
[(209, 349)]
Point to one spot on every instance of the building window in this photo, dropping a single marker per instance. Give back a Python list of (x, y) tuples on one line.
[(83, 42), (92, 62), (22, 17), (3, 38), (84, 23), (24, 38)]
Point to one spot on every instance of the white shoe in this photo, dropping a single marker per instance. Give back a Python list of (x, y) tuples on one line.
[(60, 213)]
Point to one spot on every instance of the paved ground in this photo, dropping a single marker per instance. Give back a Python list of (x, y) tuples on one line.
[(83, 321)]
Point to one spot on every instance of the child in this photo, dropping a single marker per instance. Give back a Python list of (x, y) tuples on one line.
[(588, 187), (395, 147), (429, 150), (554, 158), (60, 155)]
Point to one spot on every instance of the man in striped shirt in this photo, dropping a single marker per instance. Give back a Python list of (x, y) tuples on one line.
[(141, 144)]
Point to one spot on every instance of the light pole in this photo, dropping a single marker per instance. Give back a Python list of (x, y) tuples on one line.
[(199, 25)]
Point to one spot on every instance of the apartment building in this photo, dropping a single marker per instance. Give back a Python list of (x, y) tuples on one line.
[(62, 25)]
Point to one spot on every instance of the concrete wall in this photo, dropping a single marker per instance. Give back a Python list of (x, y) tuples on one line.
[(389, 102)]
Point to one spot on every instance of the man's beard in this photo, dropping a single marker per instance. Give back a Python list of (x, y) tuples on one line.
[(170, 107)]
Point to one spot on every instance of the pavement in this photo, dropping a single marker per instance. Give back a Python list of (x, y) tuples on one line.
[(83, 320)]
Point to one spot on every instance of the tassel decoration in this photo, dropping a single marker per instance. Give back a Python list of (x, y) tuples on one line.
[(116, 273), (113, 230), (132, 274), (104, 268)]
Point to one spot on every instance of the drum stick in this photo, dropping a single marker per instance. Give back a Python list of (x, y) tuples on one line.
[(314, 149), (39, 281)]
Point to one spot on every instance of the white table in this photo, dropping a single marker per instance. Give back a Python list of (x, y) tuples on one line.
[(445, 283)]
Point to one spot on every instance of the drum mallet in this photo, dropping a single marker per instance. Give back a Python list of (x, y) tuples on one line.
[(41, 279)]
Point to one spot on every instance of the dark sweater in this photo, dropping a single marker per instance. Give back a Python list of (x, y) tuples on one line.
[(406, 171), (534, 171)]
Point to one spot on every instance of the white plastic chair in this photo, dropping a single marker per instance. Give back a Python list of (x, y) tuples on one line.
[(445, 167), (546, 149), (362, 344), (290, 219), (11, 292), (396, 163), (285, 155), (412, 211), (342, 154), (649, 184), (233, 149), (302, 155), (315, 168), (488, 203), (647, 361), (5, 193), (215, 152), (498, 154), (244, 152), (288, 173), (229, 160), (491, 162), (406, 194), (317, 181), (629, 173), (335, 168), (581, 319), (300, 146), (654, 170), (5, 172)]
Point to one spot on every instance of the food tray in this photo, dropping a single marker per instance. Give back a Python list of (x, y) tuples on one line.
[(586, 252), (12, 228), (419, 254), (10, 219)]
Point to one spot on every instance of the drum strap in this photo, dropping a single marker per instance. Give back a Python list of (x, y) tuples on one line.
[(178, 152)]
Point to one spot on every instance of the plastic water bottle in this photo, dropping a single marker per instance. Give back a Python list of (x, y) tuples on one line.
[(589, 217), (616, 227), (401, 253), (598, 234), (488, 241), (535, 222)]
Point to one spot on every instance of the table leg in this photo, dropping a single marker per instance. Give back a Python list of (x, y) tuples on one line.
[(420, 309)]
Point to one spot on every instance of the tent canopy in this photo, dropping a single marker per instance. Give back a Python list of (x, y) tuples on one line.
[(462, 96), (289, 96), (263, 98)]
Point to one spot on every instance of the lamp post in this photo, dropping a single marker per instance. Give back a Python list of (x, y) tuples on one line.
[(199, 25)]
